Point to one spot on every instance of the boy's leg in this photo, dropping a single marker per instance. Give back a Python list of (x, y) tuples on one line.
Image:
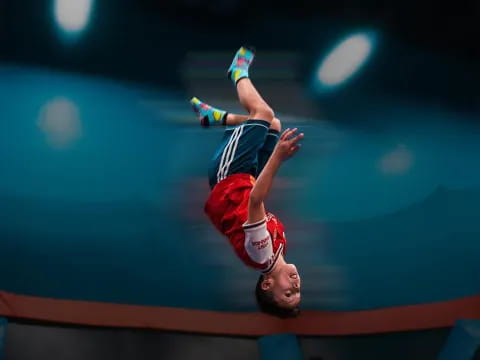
[(212, 116), (218, 164), (247, 93), (236, 119), (205, 113), (253, 102), (241, 144)]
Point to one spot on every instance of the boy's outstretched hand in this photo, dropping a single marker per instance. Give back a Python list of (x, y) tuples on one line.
[(288, 145)]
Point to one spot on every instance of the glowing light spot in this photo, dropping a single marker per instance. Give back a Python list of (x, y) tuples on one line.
[(59, 119), (72, 15), (397, 162), (345, 60)]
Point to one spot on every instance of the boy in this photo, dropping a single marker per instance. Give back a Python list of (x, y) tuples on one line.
[(240, 176)]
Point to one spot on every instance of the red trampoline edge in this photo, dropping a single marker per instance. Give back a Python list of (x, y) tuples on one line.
[(310, 322)]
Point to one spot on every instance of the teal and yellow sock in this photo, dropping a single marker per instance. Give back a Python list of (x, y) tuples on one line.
[(207, 114), (240, 64)]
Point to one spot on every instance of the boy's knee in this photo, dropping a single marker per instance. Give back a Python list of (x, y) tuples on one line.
[(276, 124), (263, 113)]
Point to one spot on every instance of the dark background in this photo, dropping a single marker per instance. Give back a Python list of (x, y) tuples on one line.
[(116, 216), (147, 40)]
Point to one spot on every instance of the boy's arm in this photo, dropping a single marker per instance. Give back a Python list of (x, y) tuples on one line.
[(285, 148)]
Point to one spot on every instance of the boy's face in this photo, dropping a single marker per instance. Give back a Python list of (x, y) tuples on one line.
[(285, 285)]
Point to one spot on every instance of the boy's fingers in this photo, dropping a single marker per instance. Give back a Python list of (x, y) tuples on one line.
[(288, 133), (285, 134), (297, 138)]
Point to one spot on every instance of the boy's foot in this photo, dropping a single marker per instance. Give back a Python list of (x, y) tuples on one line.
[(240, 64), (207, 114)]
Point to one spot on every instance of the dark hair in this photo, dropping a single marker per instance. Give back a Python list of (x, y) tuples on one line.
[(268, 305)]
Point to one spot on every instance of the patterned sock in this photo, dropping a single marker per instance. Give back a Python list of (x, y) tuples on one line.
[(207, 114), (240, 64)]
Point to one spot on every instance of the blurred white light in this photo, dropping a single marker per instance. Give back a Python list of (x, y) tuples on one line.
[(72, 15), (59, 119), (345, 59), (397, 162)]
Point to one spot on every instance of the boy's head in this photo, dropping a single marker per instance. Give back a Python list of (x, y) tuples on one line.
[(278, 293)]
